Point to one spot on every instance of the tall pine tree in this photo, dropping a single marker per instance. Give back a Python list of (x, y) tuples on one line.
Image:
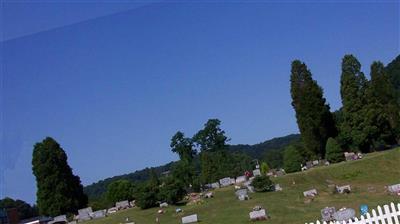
[(382, 110), (59, 191), (314, 119), (353, 128)]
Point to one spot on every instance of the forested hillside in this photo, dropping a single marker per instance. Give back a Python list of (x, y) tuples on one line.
[(272, 149)]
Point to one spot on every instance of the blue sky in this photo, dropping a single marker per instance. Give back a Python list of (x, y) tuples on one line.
[(112, 82)]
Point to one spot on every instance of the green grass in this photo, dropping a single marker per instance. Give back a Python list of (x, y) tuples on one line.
[(367, 177)]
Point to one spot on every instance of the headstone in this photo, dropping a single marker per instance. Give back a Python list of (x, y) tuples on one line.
[(57, 219), (99, 214), (256, 172), (247, 183), (225, 181), (258, 215), (190, 219), (178, 210), (350, 156), (73, 222), (122, 205), (164, 205), (84, 214), (343, 189), (240, 179), (363, 209), (278, 187), (132, 203), (310, 193), (215, 185), (309, 165), (315, 163), (112, 210), (242, 194), (394, 188), (233, 181), (327, 213), (344, 214)]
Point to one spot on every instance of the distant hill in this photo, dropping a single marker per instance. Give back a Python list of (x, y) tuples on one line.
[(258, 151)]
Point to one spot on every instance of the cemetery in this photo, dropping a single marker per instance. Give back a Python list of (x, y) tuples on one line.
[(226, 207)]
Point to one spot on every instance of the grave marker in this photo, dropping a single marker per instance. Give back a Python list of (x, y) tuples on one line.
[(310, 193), (258, 215), (190, 219)]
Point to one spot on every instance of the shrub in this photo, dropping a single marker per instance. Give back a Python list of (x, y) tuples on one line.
[(334, 152), (263, 184)]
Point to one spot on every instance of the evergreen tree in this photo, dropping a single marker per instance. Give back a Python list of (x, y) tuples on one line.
[(314, 119), (58, 190), (353, 132), (334, 152), (393, 71), (382, 108), (292, 159)]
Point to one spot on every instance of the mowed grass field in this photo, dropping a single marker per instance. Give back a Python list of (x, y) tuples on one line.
[(367, 177)]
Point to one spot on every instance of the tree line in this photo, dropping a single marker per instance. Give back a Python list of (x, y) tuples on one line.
[(368, 120)]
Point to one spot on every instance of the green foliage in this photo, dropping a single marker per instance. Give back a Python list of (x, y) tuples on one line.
[(262, 184), (211, 138), (393, 71), (292, 159), (147, 195), (172, 191), (264, 168), (274, 158), (353, 131), (314, 119), (182, 146), (383, 120), (334, 152), (184, 171), (120, 190), (58, 190), (24, 209)]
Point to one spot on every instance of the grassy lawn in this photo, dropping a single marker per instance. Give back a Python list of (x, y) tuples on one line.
[(367, 177)]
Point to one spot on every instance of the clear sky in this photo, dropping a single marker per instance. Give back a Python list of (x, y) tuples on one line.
[(113, 82)]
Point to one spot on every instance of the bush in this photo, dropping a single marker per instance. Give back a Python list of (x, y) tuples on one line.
[(120, 190), (263, 184), (334, 152), (292, 159)]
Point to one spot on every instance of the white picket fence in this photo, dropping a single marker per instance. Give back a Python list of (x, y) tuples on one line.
[(389, 215)]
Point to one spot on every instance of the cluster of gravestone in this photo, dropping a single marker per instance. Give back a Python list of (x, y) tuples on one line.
[(276, 172), (344, 214), (315, 163)]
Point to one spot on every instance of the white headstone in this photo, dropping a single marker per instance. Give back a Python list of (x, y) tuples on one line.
[(343, 189), (122, 204), (394, 188), (60, 218), (164, 205), (190, 219), (215, 185), (258, 215), (99, 214), (344, 214), (240, 179), (84, 214), (225, 181), (310, 193)]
